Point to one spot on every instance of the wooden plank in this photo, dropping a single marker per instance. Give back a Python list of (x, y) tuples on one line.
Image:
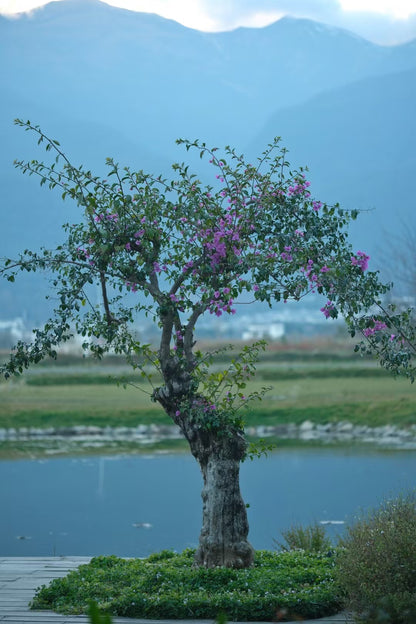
[(21, 576)]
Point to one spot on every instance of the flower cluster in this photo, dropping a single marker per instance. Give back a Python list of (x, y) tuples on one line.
[(312, 274), (328, 309), (361, 260), (221, 302), (136, 242), (113, 217), (378, 326), (286, 254), (132, 286), (224, 237), (300, 188), (85, 254)]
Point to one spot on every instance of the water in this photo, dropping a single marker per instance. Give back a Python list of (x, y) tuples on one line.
[(135, 505)]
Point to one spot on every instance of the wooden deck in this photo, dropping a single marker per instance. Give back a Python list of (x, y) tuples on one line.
[(20, 576)]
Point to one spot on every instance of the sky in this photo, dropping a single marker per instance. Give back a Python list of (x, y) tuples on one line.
[(382, 21)]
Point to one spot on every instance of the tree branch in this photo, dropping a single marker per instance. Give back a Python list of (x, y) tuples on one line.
[(109, 316), (188, 338)]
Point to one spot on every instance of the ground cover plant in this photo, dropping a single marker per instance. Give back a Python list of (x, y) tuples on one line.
[(176, 250), (376, 565), (285, 585)]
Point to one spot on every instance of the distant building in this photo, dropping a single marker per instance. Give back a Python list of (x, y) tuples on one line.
[(11, 331), (272, 331)]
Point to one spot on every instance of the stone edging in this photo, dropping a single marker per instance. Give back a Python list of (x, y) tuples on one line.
[(387, 435)]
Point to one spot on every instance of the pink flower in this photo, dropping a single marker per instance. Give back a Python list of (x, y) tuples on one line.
[(378, 326), (368, 331), (360, 260), (327, 309)]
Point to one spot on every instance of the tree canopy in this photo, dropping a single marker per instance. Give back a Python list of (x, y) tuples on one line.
[(185, 249)]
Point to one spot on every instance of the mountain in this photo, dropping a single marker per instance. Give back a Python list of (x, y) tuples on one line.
[(357, 142), (111, 82), (157, 80)]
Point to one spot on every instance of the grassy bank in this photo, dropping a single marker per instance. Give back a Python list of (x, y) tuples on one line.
[(362, 398), (306, 384)]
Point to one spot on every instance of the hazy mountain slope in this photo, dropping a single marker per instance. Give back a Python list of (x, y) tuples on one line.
[(32, 216), (159, 80), (86, 143), (358, 144), (136, 72)]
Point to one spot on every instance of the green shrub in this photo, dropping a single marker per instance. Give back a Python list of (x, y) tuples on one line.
[(376, 566), (167, 586), (312, 538)]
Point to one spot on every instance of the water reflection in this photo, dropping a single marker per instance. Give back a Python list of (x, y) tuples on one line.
[(134, 505)]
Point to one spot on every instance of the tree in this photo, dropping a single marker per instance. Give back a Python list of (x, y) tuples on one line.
[(177, 250)]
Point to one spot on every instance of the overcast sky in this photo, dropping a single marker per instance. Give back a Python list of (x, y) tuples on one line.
[(381, 21)]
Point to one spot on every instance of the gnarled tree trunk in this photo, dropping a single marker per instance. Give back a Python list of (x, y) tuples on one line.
[(223, 539)]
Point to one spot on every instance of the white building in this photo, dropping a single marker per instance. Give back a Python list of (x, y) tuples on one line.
[(256, 331)]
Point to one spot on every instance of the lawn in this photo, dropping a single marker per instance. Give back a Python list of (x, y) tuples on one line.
[(359, 394)]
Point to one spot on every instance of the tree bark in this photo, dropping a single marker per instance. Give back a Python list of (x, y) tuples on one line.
[(223, 538), (219, 451)]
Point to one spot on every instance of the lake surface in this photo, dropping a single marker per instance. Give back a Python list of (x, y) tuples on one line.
[(135, 505)]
